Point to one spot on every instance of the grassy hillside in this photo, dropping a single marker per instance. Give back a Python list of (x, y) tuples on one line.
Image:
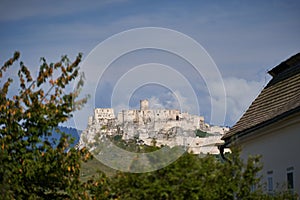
[(91, 167)]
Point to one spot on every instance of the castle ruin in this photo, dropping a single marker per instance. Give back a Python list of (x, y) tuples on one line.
[(168, 126)]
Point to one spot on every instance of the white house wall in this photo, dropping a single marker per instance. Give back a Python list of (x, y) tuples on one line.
[(280, 148)]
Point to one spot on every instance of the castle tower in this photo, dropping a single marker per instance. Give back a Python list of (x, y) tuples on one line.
[(144, 104)]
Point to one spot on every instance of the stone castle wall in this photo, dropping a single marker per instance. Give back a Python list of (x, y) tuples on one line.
[(168, 127)]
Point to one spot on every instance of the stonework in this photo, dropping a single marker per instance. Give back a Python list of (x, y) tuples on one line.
[(103, 114), (167, 127)]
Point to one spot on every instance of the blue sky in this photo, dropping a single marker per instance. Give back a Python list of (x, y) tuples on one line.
[(244, 38)]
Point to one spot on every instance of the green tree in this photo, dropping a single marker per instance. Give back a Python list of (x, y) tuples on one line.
[(190, 177), (30, 166)]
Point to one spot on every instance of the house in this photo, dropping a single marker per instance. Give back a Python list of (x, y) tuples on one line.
[(271, 127)]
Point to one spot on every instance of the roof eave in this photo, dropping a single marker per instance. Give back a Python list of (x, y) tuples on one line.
[(229, 139)]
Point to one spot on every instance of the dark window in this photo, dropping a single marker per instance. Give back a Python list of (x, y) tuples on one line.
[(270, 184), (177, 117), (290, 180)]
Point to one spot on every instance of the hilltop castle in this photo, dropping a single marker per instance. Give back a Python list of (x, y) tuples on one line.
[(168, 127)]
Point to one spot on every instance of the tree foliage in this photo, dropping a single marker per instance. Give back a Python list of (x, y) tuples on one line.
[(190, 177), (30, 167), (202, 134)]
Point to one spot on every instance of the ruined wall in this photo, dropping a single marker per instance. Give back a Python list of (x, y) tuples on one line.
[(146, 120), (168, 127), (103, 114)]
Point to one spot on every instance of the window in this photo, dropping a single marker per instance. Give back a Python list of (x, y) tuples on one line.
[(290, 180), (270, 184), (270, 181)]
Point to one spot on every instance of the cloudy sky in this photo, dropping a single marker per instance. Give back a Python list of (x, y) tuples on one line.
[(241, 40)]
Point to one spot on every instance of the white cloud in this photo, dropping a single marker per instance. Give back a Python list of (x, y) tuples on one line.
[(155, 103), (240, 94), (174, 100)]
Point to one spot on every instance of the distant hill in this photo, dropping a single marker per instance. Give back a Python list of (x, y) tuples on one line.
[(73, 132)]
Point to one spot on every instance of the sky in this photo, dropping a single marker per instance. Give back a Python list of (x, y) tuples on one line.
[(237, 41)]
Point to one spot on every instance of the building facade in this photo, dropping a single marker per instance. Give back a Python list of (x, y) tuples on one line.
[(271, 128)]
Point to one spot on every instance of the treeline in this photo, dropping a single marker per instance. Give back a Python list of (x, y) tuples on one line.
[(190, 177)]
